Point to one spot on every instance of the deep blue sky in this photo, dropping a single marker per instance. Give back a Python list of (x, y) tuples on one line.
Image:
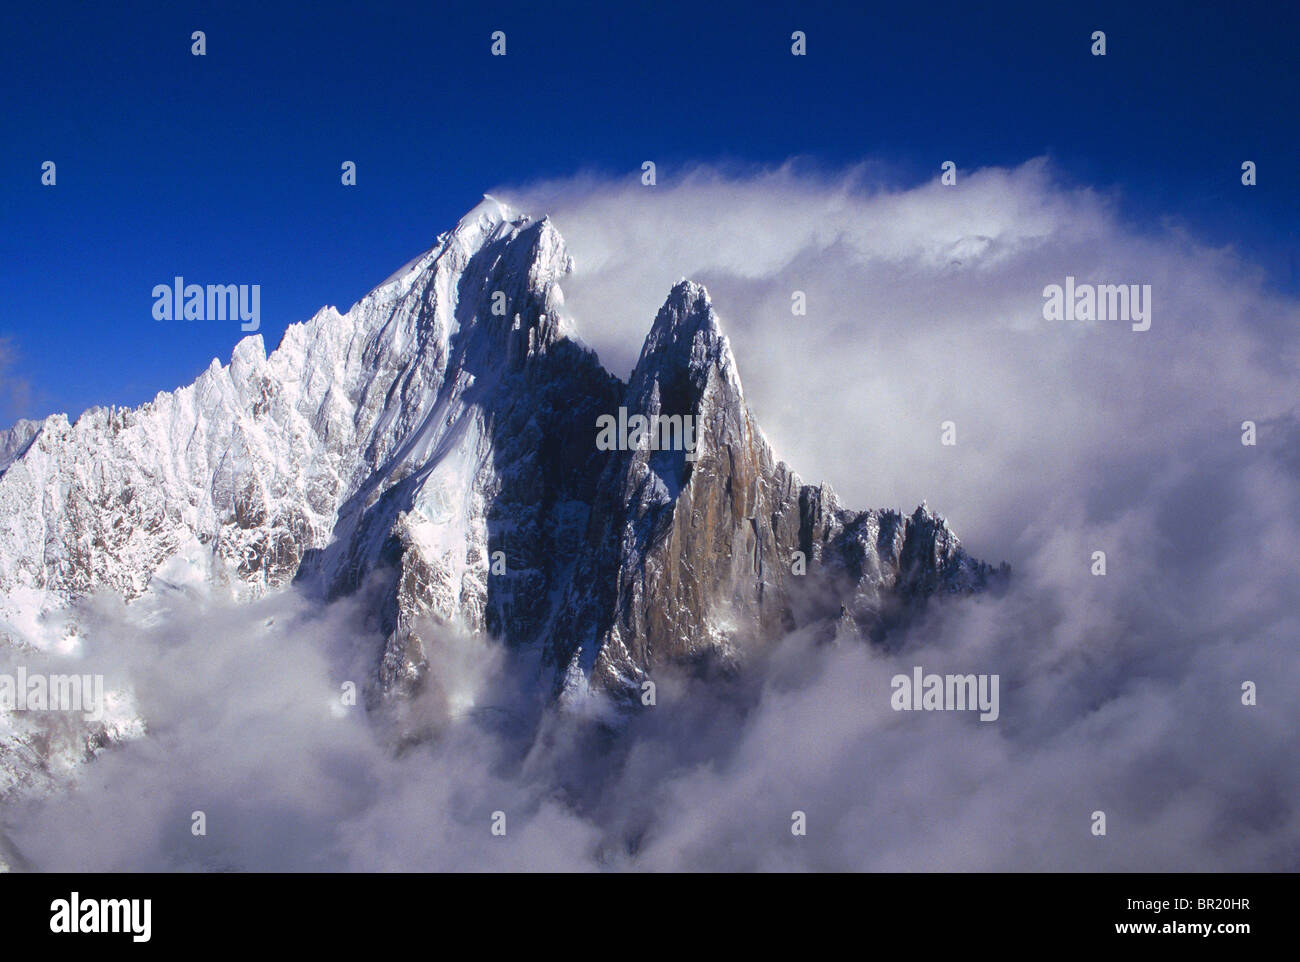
[(225, 168)]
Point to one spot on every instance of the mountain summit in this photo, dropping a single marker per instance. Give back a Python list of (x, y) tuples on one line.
[(438, 443)]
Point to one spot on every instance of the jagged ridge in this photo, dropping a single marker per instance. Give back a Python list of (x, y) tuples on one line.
[(427, 433)]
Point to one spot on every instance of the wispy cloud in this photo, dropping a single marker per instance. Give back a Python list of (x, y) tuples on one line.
[(15, 390)]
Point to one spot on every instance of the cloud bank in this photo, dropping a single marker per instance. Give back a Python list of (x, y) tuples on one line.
[(1120, 693)]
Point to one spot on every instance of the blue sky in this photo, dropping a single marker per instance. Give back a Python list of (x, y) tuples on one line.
[(225, 168)]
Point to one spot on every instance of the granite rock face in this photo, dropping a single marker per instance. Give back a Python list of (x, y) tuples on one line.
[(687, 559)]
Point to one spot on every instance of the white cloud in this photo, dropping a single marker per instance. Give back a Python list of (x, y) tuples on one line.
[(15, 390), (925, 305)]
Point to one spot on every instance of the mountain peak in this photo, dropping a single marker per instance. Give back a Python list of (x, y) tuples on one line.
[(494, 211), (689, 300), (14, 440), (685, 344), (686, 324)]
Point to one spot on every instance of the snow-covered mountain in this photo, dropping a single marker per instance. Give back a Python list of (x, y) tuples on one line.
[(439, 440)]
